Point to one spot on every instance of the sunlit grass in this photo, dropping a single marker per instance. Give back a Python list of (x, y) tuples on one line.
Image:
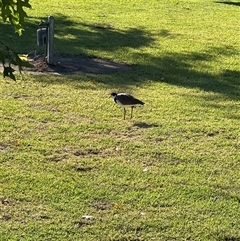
[(171, 173), (164, 174)]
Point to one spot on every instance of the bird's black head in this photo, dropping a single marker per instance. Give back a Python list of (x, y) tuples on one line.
[(113, 94)]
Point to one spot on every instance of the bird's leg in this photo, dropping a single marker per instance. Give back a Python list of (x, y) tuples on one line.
[(124, 113), (131, 111)]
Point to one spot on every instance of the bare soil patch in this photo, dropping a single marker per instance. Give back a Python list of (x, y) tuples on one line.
[(67, 65)]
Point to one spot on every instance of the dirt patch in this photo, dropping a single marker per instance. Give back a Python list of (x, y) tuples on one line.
[(75, 65)]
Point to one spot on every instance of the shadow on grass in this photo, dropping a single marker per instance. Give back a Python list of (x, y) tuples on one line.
[(24, 43), (177, 69), (145, 125), (229, 238), (229, 3), (76, 38)]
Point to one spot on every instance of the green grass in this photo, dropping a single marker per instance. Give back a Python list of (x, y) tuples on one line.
[(171, 173)]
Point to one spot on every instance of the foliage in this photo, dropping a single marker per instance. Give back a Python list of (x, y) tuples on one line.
[(12, 11)]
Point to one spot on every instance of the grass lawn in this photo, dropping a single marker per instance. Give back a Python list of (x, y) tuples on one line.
[(72, 169)]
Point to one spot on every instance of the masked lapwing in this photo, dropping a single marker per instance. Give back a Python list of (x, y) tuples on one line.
[(126, 100)]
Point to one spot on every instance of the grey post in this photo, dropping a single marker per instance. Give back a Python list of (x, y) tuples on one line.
[(50, 38)]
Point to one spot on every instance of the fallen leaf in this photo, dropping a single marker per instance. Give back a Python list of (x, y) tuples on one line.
[(16, 143), (117, 206)]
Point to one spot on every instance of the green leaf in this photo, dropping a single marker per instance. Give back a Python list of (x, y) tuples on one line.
[(13, 11), (8, 72), (12, 58)]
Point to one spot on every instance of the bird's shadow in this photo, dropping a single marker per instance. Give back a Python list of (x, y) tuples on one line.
[(145, 125)]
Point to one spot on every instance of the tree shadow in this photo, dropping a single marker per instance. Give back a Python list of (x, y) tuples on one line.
[(177, 69), (229, 238), (229, 3), (21, 44), (166, 33), (87, 37), (83, 36)]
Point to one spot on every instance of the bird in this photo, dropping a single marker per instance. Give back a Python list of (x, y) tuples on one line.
[(126, 100)]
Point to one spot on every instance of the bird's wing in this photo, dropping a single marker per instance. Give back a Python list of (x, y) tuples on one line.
[(127, 99)]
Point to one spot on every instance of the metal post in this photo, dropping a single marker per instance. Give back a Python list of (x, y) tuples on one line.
[(50, 37)]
